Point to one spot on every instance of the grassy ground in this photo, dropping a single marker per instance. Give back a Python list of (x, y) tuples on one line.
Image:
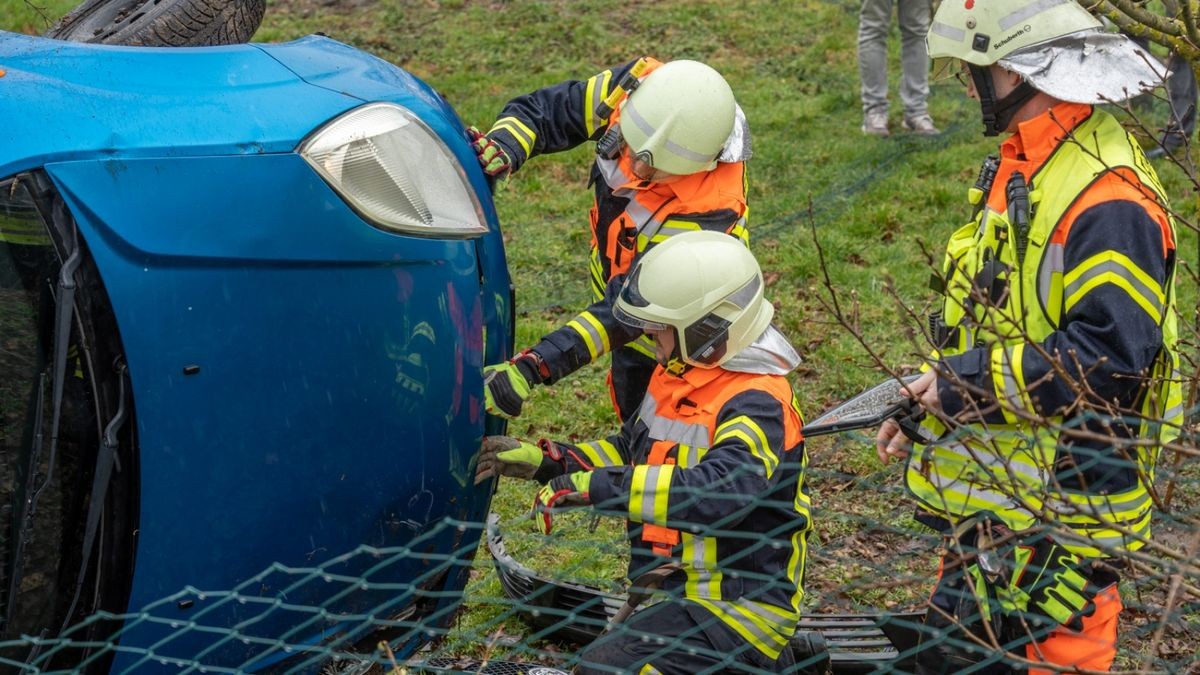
[(873, 205)]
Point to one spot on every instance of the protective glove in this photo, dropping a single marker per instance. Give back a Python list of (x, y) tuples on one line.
[(506, 456), (1048, 581), (566, 491), (492, 158), (507, 385)]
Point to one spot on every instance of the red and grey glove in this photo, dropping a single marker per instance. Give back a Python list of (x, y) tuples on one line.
[(507, 385), (507, 456), (492, 158), (563, 492)]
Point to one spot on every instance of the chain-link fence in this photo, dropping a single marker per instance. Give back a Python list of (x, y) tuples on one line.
[(536, 600)]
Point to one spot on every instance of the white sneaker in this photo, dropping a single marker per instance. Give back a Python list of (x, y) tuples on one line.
[(875, 124), (921, 125)]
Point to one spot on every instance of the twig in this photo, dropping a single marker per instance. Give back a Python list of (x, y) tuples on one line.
[(387, 650)]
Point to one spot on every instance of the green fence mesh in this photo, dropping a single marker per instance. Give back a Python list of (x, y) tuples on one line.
[(534, 600)]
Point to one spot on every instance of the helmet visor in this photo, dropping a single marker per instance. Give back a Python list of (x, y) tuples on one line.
[(631, 297), (636, 321)]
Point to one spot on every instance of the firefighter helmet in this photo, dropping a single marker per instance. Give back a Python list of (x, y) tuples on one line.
[(1055, 45), (982, 32), (707, 286), (679, 118)]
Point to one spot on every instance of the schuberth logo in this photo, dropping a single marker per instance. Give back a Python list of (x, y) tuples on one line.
[(1024, 29)]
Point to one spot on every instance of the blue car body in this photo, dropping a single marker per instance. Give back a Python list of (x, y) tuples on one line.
[(303, 383)]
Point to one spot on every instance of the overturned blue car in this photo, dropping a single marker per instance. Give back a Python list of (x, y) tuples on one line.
[(246, 293)]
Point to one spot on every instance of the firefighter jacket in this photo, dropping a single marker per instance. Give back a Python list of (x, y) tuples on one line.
[(710, 473), (1060, 340), (628, 215)]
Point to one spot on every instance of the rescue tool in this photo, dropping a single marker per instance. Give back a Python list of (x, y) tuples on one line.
[(872, 408)]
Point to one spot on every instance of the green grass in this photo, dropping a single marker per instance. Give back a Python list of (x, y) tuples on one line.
[(871, 204), (32, 17)]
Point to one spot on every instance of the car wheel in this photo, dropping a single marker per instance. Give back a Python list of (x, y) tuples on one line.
[(161, 23)]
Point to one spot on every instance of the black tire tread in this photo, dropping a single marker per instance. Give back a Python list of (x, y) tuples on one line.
[(165, 23)]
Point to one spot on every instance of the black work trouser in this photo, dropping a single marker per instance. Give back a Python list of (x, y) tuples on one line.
[(677, 638)]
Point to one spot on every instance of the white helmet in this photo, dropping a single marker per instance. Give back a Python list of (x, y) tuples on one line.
[(982, 32), (1055, 45), (679, 118), (707, 286)]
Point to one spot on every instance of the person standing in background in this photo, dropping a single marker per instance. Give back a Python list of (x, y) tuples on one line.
[(874, 22)]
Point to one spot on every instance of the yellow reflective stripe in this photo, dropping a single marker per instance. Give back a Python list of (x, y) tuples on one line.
[(595, 90), (520, 131), (1172, 408), (664, 233), (592, 332), (648, 234), (757, 620), (957, 499), (644, 346), (648, 493), (742, 616), (963, 481), (967, 481), (799, 414), (752, 435), (662, 492), (739, 230), (649, 670), (1161, 409), (1111, 267), (703, 574), (690, 455), (1113, 509), (797, 561), (1050, 280), (587, 340), (674, 226), (601, 453), (1008, 380), (637, 493), (597, 270), (778, 618), (1100, 541)]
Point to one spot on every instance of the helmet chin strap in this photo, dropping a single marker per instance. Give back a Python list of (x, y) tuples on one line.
[(674, 364), (998, 114)]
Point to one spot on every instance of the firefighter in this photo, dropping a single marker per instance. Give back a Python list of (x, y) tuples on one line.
[(671, 144), (1055, 381), (708, 471)]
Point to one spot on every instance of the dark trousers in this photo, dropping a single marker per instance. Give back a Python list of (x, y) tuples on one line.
[(676, 638)]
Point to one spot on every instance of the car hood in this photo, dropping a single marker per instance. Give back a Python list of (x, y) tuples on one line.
[(64, 101)]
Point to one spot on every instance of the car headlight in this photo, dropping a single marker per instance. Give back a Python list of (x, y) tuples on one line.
[(395, 172)]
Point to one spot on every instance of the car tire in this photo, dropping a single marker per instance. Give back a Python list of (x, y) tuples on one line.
[(161, 23)]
